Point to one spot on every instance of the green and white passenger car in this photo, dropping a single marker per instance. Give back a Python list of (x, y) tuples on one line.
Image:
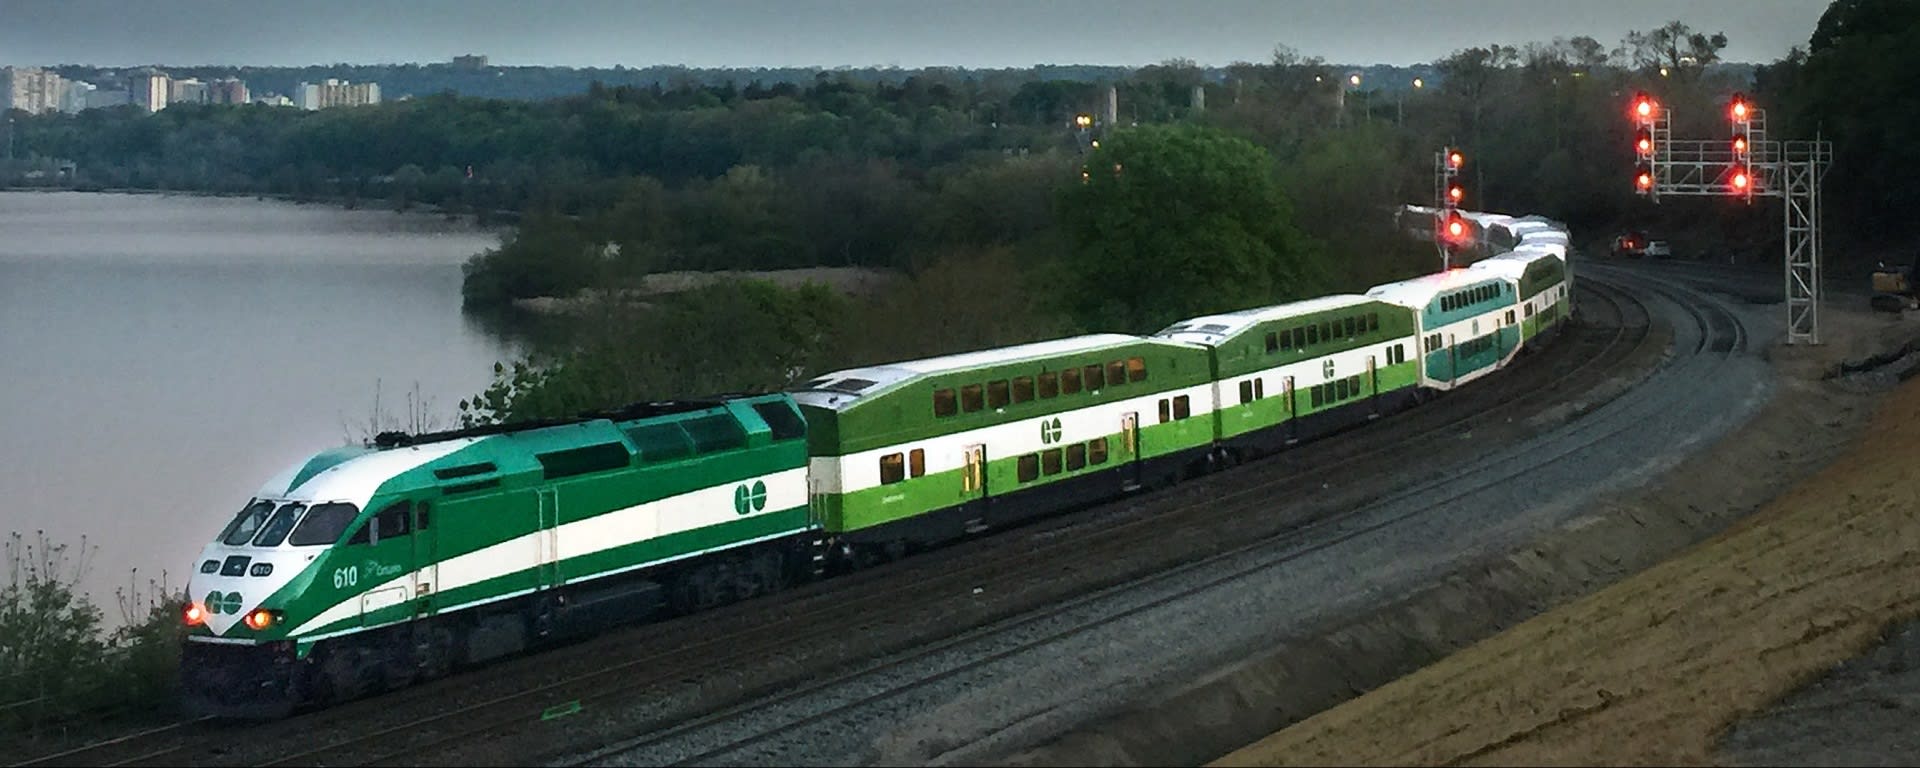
[(1292, 372), (926, 450), (1467, 320)]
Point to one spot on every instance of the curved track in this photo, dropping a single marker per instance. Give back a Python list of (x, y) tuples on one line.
[(431, 721), (834, 720)]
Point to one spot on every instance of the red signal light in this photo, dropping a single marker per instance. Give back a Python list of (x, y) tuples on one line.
[(1645, 145), (1740, 144), (1643, 106), (1454, 159), (1740, 180), (1644, 181), (1738, 109), (1455, 193)]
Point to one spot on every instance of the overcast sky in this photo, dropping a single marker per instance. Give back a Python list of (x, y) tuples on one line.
[(829, 33)]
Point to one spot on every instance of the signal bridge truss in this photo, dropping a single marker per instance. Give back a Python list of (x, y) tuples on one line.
[(1789, 170)]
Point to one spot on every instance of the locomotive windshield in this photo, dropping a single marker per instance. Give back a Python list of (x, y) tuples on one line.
[(277, 528), (263, 526), (247, 523)]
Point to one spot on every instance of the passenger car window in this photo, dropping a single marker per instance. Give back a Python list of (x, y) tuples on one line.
[(944, 403)]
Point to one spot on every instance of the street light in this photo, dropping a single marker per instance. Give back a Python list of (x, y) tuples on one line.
[(1354, 80)]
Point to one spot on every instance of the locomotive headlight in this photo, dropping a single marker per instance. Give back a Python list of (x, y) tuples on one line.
[(195, 615), (261, 618)]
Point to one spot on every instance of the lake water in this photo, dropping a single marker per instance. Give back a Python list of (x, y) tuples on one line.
[(162, 356)]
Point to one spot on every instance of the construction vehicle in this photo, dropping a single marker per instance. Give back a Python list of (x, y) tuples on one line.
[(1894, 287)]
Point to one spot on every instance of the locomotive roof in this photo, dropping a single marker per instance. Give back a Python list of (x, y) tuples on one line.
[(1213, 329), (353, 474), (841, 389)]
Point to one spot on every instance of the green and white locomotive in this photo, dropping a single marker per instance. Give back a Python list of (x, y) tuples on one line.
[(367, 567), (370, 567)]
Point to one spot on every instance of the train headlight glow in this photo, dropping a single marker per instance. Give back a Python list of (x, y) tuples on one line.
[(195, 615), (260, 619)]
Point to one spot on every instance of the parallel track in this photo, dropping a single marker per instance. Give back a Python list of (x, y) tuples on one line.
[(812, 615), (1721, 331)]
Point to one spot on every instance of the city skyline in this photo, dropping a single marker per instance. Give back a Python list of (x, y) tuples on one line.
[(857, 33)]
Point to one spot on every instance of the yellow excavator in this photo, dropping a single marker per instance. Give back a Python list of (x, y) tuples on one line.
[(1894, 288)]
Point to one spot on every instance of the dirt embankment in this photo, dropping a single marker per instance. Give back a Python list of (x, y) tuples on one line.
[(1654, 669)]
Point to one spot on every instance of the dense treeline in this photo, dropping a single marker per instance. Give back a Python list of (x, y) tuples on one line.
[(998, 221)]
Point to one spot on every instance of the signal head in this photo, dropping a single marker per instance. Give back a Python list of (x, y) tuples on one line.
[(1455, 193), (1455, 159), (1741, 182), (1643, 142), (1740, 144), (1643, 179), (1643, 106), (1738, 108)]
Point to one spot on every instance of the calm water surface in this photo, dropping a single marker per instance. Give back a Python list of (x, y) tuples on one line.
[(162, 356)]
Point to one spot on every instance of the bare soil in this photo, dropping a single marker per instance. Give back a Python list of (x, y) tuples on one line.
[(1656, 668)]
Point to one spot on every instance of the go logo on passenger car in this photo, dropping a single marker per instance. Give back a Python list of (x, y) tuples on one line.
[(747, 500), (1049, 431)]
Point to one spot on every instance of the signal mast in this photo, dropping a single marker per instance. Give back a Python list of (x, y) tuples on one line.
[(1452, 232), (1744, 165)]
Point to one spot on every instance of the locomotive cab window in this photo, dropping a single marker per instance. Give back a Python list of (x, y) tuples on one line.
[(323, 525), (276, 529), (248, 523)]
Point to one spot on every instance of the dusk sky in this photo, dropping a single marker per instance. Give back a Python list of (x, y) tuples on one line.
[(829, 33)]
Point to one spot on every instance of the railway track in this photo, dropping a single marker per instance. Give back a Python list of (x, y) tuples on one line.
[(721, 642), (762, 733)]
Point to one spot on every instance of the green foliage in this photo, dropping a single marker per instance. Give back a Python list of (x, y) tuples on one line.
[(58, 663), (740, 336), (1178, 221), (1852, 88), (546, 256)]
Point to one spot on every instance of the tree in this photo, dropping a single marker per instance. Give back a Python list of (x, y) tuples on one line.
[(1177, 221)]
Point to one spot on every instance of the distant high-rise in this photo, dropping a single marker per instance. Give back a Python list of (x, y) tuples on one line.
[(470, 62), (149, 90), (75, 96), (31, 89), (188, 91), (228, 90), (335, 93)]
